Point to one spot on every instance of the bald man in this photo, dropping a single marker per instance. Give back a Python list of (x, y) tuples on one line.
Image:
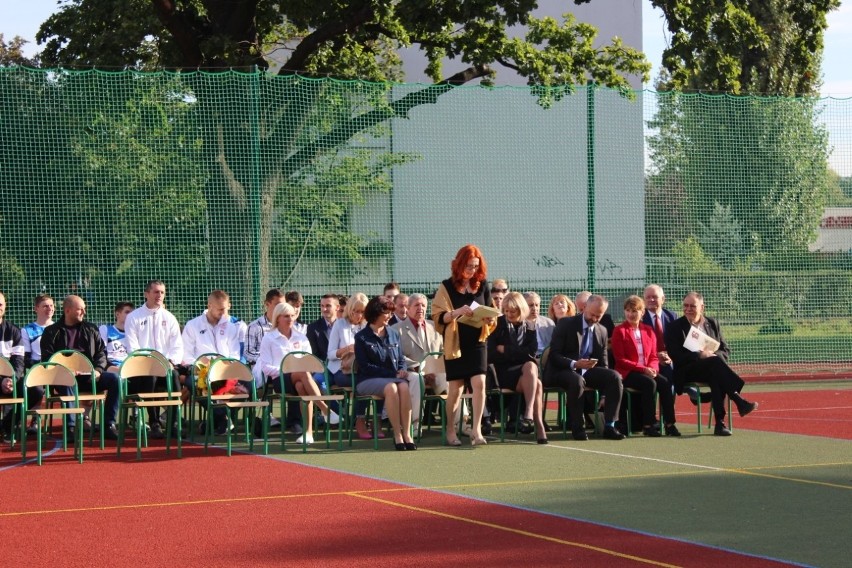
[(72, 332)]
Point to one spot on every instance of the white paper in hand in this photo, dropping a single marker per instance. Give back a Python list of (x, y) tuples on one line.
[(696, 340)]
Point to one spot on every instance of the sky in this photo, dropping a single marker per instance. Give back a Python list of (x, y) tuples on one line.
[(24, 19)]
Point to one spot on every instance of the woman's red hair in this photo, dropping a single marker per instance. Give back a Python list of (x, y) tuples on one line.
[(463, 257)]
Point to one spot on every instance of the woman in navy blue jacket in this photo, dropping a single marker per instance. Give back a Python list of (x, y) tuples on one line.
[(382, 370), (512, 349)]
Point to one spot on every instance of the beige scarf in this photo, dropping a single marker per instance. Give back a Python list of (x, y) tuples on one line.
[(441, 305)]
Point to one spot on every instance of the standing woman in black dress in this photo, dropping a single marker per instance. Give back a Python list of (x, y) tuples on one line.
[(465, 352)]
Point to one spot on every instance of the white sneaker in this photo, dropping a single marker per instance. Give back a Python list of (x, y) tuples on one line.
[(301, 439), (333, 417)]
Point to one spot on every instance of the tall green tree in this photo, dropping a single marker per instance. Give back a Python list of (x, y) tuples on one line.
[(760, 47), (292, 139), (102, 189), (12, 53), (763, 161)]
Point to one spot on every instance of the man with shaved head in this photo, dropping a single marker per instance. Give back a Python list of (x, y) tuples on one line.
[(73, 332)]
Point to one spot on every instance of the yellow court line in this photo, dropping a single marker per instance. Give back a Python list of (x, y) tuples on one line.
[(565, 479), (188, 503), (514, 531), (743, 471), (793, 466), (796, 479)]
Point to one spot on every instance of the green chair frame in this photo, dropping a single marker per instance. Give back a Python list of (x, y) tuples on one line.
[(372, 407), (195, 395), (305, 362), (51, 374), (562, 397), (79, 364), (223, 369), (7, 370), (432, 363), (698, 386), (630, 393), (139, 364)]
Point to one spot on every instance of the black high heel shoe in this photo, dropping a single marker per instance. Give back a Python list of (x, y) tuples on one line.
[(400, 447), (410, 446)]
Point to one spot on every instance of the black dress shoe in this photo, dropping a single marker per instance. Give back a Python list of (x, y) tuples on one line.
[(746, 407), (651, 432), (400, 447), (721, 430), (692, 393), (611, 433), (671, 430), (410, 446), (111, 432), (486, 427), (579, 435), (526, 426), (543, 441)]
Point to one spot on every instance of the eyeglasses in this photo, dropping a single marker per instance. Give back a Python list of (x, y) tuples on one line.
[(500, 290)]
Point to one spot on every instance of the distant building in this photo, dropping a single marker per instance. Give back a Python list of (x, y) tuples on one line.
[(835, 231)]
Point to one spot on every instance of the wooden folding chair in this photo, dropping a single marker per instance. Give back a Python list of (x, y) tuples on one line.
[(224, 369), (199, 368), (138, 365), (432, 363), (50, 374), (13, 400), (79, 364), (303, 362)]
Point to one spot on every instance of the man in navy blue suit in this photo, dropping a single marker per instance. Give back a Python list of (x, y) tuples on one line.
[(578, 358), (659, 318)]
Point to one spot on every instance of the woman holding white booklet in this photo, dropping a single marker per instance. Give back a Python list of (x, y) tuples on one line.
[(462, 313), (690, 341)]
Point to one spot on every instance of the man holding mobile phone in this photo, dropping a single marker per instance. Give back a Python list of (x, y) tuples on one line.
[(578, 359)]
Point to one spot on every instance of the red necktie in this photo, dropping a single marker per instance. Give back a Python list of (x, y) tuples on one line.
[(658, 329)]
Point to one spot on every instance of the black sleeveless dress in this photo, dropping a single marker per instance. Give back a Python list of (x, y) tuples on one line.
[(474, 354)]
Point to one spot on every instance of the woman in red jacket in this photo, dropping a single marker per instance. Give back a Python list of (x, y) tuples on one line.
[(634, 346)]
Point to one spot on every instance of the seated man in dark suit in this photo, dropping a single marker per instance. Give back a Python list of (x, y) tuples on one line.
[(318, 331), (578, 358), (705, 366), (606, 321), (659, 319)]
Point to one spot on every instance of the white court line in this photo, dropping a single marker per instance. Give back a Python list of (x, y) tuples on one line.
[(797, 419), (644, 458), (763, 411)]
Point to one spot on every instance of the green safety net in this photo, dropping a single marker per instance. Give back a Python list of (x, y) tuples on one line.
[(248, 181)]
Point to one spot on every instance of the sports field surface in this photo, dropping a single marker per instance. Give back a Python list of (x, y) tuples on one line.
[(778, 492)]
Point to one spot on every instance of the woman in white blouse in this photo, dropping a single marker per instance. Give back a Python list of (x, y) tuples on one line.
[(274, 347), (341, 352)]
